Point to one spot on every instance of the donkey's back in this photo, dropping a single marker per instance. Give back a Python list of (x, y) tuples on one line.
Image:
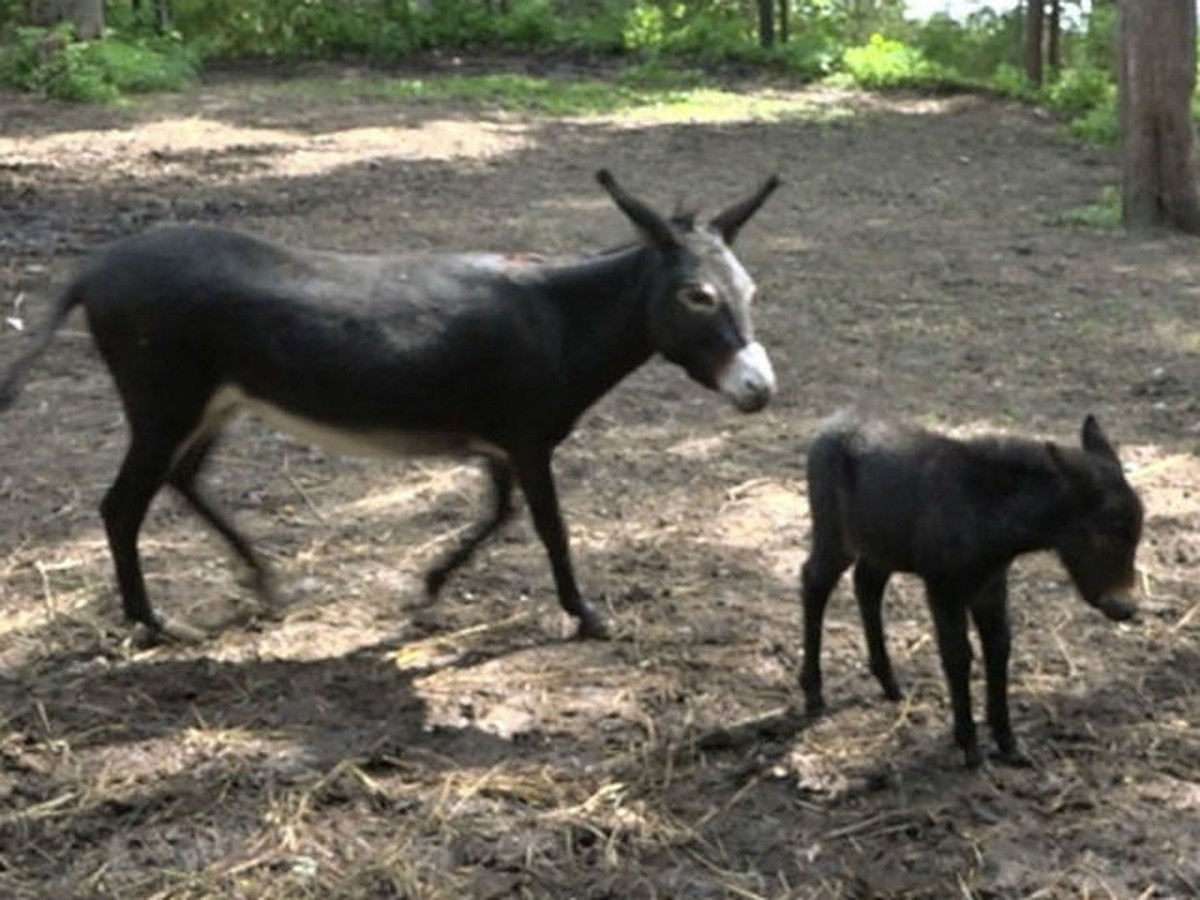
[(350, 340)]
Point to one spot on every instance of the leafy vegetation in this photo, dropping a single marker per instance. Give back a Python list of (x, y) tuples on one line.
[(49, 61), (1104, 213), (868, 43), (883, 63)]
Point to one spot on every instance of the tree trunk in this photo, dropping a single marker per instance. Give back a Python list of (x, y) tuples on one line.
[(785, 26), (86, 15), (766, 23), (1054, 37), (1156, 50), (1035, 26)]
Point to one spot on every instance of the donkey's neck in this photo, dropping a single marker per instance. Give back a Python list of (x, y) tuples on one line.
[(602, 303)]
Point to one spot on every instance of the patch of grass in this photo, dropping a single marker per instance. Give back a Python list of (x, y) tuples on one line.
[(668, 93), (503, 92), (1105, 213)]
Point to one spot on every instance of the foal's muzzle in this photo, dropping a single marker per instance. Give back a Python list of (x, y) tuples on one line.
[(1118, 607), (747, 378)]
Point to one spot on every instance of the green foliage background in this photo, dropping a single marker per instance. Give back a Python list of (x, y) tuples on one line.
[(869, 43)]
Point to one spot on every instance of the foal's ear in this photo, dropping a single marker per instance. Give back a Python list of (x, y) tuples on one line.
[(1095, 441), (1077, 474), (656, 229), (729, 222)]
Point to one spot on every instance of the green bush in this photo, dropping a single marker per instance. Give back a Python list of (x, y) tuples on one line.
[(529, 24), (49, 61), (713, 34), (1012, 82), (1078, 90), (644, 27), (143, 66), (1096, 126), (883, 62), (72, 73), (603, 30), (811, 55), (974, 50)]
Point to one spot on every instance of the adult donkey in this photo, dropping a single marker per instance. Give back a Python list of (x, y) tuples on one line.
[(429, 353)]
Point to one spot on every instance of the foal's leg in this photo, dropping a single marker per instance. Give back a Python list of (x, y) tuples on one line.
[(825, 564), (500, 481), (869, 584), (950, 620), (989, 609)]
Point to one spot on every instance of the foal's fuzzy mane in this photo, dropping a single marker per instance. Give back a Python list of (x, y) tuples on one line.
[(1014, 454)]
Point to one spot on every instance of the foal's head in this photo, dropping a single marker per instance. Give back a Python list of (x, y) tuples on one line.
[(1099, 547)]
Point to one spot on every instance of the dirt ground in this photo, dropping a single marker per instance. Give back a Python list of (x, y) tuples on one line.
[(915, 261)]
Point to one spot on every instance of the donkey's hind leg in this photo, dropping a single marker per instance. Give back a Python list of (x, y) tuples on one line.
[(183, 479), (499, 511), (152, 446)]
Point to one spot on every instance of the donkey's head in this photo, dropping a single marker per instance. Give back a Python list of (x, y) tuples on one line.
[(699, 315)]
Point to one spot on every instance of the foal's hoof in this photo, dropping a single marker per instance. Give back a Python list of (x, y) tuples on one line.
[(1012, 757), (593, 627), (814, 706), (433, 584)]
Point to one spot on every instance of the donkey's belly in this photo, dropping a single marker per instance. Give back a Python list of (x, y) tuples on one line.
[(338, 438)]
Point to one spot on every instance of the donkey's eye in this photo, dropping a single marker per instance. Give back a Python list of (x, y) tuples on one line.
[(699, 296)]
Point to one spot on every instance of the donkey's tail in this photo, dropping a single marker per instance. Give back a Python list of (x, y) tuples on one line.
[(12, 380)]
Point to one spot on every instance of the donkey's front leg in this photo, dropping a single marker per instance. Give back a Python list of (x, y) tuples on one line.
[(537, 482)]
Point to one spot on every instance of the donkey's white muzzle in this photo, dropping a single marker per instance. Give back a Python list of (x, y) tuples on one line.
[(748, 379)]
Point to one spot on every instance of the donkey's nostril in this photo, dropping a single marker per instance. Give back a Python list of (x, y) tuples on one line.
[(752, 401)]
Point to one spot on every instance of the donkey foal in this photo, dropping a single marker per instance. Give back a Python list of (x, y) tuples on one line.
[(430, 353), (892, 498)]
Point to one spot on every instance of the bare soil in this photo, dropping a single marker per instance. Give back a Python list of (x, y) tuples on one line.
[(916, 261)]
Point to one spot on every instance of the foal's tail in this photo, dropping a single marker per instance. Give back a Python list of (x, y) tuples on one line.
[(14, 378)]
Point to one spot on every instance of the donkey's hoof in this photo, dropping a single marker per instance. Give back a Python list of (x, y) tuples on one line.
[(167, 631), (593, 627), (183, 633)]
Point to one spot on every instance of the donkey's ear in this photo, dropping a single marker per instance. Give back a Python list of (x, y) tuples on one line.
[(1095, 441), (729, 222), (656, 229)]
